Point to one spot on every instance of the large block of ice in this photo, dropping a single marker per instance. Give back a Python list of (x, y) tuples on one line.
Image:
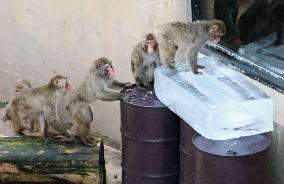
[(220, 104)]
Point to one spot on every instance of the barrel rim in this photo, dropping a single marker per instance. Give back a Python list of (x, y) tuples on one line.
[(234, 155), (146, 106)]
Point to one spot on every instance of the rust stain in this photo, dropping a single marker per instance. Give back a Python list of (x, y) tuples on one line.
[(7, 167)]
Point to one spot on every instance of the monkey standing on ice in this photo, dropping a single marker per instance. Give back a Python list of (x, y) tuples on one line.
[(188, 39), (75, 111), (42, 101), (145, 58)]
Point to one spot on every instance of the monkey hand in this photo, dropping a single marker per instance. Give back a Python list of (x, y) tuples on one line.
[(127, 85), (171, 67)]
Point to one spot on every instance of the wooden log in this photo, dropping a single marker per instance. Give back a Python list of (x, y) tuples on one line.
[(27, 159)]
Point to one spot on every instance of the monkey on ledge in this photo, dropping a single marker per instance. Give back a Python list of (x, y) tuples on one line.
[(187, 38)]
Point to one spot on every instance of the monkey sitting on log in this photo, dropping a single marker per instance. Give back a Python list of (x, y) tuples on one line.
[(42, 101), (188, 39), (20, 87), (145, 58), (74, 111)]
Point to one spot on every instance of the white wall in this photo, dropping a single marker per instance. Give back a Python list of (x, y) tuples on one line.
[(40, 38)]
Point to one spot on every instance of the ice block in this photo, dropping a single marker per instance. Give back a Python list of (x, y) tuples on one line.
[(220, 104)]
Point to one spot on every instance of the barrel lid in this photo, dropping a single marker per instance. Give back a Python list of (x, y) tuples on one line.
[(233, 147), (141, 97)]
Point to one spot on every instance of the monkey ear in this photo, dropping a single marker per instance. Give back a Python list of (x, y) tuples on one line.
[(94, 67), (213, 29)]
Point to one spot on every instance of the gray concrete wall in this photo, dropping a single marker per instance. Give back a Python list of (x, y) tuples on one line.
[(41, 38)]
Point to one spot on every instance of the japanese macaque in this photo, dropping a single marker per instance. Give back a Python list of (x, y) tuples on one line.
[(188, 39), (145, 58), (277, 16), (21, 87), (75, 111), (41, 101), (255, 23)]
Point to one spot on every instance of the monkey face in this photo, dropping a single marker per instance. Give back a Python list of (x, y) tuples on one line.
[(18, 90), (21, 86), (110, 70), (217, 30), (61, 83), (150, 45), (103, 67)]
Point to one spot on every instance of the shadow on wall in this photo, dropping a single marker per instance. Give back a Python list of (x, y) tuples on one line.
[(36, 61)]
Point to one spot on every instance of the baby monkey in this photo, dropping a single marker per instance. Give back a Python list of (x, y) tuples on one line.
[(145, 58), (188, 39), (21, 86)]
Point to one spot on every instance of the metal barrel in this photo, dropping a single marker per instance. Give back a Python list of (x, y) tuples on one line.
[(235, 161), (187, 159), (150, 139)]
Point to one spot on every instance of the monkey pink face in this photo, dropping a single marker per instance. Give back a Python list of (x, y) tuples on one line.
[(68, 86), (110, 70), (63, 83), (18, 90), (217, 38), (150, 44)]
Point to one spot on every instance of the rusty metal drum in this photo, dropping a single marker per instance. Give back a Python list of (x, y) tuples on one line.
[(236, 161), (150, 139), (187, 159)]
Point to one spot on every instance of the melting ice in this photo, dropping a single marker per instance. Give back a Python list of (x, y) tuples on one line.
[(220, 104)]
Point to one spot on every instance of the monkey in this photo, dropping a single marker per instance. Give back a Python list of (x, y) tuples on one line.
[(75, 112), (41, 100), (255, 23), (277, 16), (144, 59), (188, 39), (20, 87)]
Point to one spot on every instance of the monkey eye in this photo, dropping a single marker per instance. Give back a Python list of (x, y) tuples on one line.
[(56, 82), (150, 41)]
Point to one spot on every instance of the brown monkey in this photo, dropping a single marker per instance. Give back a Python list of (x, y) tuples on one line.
[(75, 112), (145, 58), (188, 39), (41, 100), (21, 87)]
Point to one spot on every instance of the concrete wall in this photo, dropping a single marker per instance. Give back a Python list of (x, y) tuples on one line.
[(41, 38)]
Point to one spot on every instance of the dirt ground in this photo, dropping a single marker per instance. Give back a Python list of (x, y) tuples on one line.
[(112, 153)]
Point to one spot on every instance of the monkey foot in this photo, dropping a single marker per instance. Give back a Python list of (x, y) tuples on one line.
[(46, 139), (85, 142), (200, 66), (171, 67), (197, 72), (32, 131)]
